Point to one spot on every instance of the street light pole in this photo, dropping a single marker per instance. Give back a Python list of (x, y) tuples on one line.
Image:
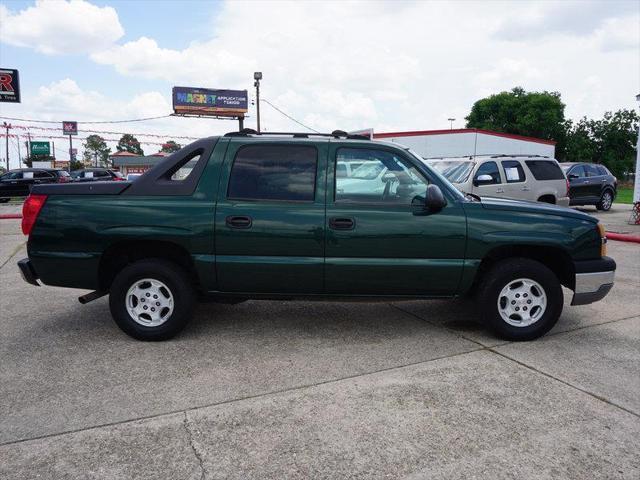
[(7, 126), (451, 120), (257, 76)]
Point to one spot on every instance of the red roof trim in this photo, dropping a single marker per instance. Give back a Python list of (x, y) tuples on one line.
[(419, 133)]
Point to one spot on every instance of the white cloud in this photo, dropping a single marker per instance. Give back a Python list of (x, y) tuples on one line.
[(60, 27), (406, 64), (577, 18)]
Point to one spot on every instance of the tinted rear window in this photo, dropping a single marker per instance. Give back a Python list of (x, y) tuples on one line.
[(545, 170), (274, 172)]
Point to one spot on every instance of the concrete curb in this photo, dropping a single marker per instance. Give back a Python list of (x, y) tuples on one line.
[(621, 237), (7, 216)]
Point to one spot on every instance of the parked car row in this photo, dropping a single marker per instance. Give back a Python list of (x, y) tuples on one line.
[(18, 182), (530, 177)]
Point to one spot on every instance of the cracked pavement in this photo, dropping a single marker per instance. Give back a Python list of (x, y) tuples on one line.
[(316, 390)]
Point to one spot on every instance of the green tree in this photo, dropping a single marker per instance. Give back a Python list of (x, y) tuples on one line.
[(76, 165), (611, 141), (95, 148), (170, 147), (535, 114), (129, 143)]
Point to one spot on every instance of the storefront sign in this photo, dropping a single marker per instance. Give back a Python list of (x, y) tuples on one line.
[(70, 128), (9, 85), (40, 148)]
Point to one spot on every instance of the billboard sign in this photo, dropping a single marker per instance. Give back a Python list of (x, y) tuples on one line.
[(61, 164), (40, 148), (9, 85), (70, 128), (206, 101)]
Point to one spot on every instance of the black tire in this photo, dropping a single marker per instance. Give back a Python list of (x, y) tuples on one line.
[(606, 200), (180, 290), (502, 274)]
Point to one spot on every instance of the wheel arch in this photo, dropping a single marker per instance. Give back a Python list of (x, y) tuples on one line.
[(555, 259), (120, 254)]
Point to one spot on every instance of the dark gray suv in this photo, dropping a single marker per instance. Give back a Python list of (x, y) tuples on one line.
[(590, 184)]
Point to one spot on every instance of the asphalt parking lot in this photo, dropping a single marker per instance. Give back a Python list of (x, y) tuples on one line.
[(317, 390)]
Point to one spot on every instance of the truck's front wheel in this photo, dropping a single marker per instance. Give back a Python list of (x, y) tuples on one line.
[(152, 299), (521, 299)]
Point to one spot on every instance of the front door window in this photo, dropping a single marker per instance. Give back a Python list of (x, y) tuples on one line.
[(381, 178)]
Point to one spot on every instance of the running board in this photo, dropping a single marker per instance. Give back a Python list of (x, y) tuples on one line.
[(90, 297)]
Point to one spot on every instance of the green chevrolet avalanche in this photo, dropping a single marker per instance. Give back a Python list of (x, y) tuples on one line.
[(292, 216)]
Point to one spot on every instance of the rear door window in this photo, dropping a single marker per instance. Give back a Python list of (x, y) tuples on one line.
[(545, 170), (603, 170), (274, 172), (513, 171), (578, 171), (491, 169)]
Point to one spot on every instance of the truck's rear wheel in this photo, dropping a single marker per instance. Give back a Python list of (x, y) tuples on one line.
[(521, 299), (152, 299)]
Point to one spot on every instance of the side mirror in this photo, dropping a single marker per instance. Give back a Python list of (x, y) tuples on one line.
[(483, 179), (435, 199), (572, 176)]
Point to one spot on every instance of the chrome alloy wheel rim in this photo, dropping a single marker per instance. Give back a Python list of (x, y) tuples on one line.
[(522, 302), (149, 302), (607, 200)]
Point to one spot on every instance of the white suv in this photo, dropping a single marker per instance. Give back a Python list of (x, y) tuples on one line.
[(523, 177)]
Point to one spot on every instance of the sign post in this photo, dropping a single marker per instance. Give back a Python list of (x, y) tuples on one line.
[(70, 128)]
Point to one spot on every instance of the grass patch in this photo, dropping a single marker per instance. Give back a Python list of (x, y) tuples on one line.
[(625, 195)]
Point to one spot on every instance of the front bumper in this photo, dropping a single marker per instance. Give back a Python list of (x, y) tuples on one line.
[(594, 279), (29, 275), (562, 201)]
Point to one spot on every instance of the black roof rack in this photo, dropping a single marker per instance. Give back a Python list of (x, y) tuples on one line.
[(246, 132), (518, 155)]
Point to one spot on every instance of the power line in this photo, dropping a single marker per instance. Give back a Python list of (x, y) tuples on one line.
[(139, 134), (91, 122), (286, 115)]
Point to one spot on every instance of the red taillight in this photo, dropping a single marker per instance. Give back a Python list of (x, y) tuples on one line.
[(63, 179), (568, 186), (119, 179), (30, 210)]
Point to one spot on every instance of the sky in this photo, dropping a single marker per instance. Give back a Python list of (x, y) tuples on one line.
[(348, 65)]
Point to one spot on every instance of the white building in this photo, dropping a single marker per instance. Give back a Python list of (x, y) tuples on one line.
[(468, 141)]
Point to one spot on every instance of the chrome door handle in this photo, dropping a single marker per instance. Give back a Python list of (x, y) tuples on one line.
[(525, 189)]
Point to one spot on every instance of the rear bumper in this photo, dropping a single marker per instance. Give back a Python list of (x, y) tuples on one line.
[(28, 273), (594, 280)]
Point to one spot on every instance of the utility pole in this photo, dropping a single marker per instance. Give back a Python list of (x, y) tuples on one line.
[(257, 76), (70, 152), (28, 145), (7, 126)]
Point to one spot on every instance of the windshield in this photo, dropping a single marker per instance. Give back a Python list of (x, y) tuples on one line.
[(453, 190), (368, 171), (455, 171)]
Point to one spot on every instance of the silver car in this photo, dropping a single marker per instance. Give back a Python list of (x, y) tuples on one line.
[(523, 177)]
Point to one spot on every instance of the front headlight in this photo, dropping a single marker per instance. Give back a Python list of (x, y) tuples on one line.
[(603, 239)]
